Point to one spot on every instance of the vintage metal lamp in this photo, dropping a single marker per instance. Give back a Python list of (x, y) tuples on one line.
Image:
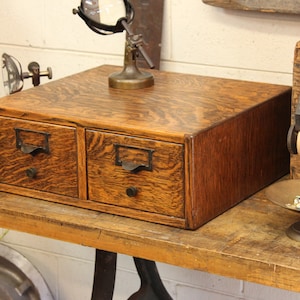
[(13, 76), (112, 16)]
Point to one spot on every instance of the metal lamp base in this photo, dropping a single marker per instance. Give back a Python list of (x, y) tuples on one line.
[(131, 79), (293, 232)]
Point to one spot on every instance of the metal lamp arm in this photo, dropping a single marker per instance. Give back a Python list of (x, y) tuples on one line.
[(137, 41)]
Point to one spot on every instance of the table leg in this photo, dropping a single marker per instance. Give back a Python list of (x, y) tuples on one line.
[(104, 276), (151, 287)]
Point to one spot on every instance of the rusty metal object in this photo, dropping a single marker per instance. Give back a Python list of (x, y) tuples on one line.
[(148, 22)]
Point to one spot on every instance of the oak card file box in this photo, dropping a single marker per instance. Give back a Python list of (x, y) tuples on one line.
[(179, 153)]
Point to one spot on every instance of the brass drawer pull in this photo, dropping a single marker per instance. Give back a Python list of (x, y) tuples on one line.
[(40, 138), (133, 159)]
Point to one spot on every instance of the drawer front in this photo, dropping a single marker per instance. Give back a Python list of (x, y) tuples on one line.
[(136, 173), (38, 156)]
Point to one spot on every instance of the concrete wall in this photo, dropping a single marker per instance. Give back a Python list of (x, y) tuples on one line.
[(197, 39)]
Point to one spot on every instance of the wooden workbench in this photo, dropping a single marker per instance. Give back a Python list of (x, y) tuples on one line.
[(248, 242)]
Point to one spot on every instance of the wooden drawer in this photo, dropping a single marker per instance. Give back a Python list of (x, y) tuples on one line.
[(38, 156), (140, 174)]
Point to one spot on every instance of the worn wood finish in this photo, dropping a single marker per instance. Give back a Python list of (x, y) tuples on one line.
[(295, 159), (247, 242), (273, 6), (215, 142)]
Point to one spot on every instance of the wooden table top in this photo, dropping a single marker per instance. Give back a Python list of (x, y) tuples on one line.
[(175, 106), (248, 242)]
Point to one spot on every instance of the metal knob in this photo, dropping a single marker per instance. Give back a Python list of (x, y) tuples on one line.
[(131, 191), (31, 172)]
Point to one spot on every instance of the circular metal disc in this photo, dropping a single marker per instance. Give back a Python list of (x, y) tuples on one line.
[(293, 232), (19, 280), (284, 193)]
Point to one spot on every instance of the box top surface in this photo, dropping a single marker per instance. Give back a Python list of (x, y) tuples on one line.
[(177, 105)]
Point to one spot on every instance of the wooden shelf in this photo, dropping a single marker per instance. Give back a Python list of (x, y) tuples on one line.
[(248, 242), (269, 6)]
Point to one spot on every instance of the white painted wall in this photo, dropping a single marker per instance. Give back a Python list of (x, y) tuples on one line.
[(197, 39)]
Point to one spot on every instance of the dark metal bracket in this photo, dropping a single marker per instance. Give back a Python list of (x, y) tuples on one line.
[(151, 287)]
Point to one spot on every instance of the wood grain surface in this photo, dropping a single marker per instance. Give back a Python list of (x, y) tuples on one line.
[(248, 242), (273, 6), (158, 112), (159, 190), (56, 171), (238, 158)]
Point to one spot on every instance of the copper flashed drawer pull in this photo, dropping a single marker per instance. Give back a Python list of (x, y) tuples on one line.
[(133, 152), (40, 138), (132, 167), (31, 149)]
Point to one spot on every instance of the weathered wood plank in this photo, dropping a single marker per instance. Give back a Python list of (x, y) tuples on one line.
[(247, 242), (274, 6)]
